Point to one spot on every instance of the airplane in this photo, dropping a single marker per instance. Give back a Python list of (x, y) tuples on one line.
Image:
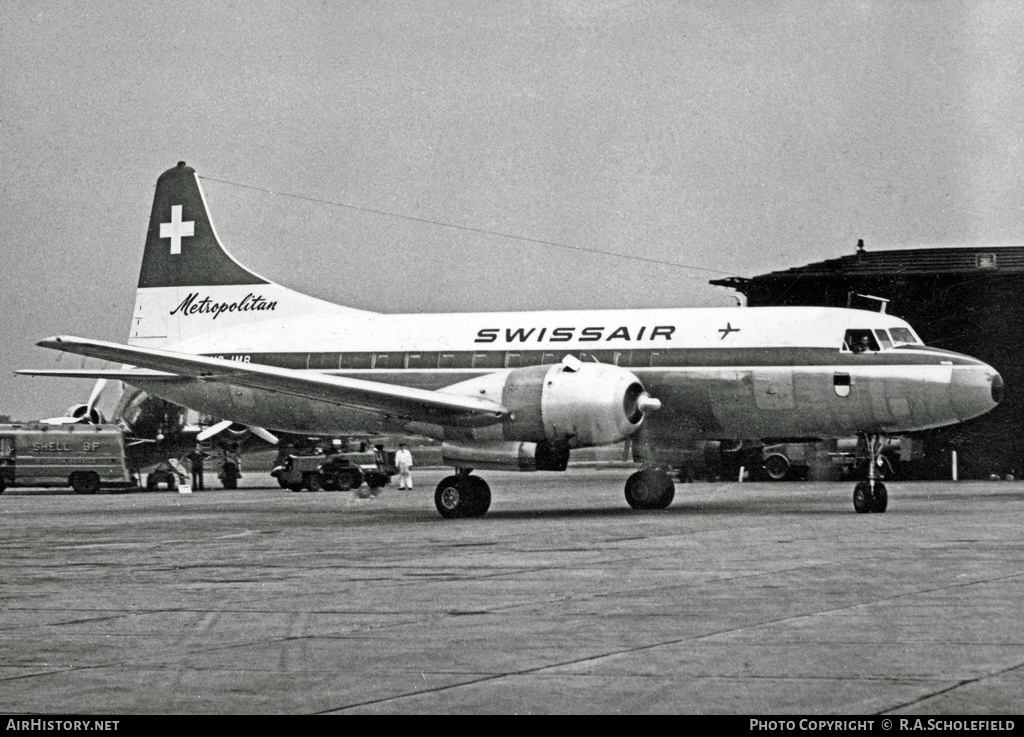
[(518, 390)]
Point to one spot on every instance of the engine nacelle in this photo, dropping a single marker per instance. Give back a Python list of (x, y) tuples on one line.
[(236, 432), (505, 455), (570, 403)]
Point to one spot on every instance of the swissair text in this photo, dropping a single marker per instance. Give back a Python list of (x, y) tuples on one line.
[(564, 335)]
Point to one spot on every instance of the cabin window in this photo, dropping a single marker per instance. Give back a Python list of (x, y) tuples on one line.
[(421, 360), (455, 360), (388, 360), (322, 361), (663, 358), (531, 358), (354, 360), (598, 356), (904, 336), (860, 341), (490, 359), (513, 359), (883, 339)]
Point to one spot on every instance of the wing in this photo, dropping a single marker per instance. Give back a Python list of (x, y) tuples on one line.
[(405, 402), (112, 374)]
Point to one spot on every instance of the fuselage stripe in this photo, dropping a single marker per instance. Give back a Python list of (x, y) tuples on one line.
[(637, 358)]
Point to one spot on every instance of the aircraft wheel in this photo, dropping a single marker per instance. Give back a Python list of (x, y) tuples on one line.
[(881, 498), (462, 496), (776, 466), (650, 488), (481, 496), (863, 499), (86, 482), (229, 476)]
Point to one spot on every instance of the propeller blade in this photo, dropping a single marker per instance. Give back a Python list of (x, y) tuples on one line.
[(265, 435), (96, 392), (213, 430)]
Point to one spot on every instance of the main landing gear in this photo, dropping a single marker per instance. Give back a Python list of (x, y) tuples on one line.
[(650, 488), (871, 495), (462, 495), (465, 495)]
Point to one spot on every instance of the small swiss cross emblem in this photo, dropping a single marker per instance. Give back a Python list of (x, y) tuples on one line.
[(176, 230), (728, 329)]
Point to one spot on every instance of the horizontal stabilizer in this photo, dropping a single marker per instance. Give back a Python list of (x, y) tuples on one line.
[(390, 400)]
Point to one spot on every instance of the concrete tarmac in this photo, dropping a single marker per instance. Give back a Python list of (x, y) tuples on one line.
[(749, 598)]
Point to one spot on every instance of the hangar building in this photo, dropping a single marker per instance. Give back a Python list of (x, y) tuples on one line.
[(969, 300)]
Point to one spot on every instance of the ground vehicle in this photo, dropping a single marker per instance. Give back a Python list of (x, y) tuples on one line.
[(830, 459), (335, 472), (84, 457)]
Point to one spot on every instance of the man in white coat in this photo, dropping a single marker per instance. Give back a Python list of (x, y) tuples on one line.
[(403, 459)]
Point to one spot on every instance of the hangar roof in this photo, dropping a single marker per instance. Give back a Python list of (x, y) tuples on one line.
[(906, 262)]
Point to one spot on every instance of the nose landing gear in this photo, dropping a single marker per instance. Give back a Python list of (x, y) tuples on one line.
[(871, 495)]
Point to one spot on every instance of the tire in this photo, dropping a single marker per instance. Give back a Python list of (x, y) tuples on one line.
[(457, 497), (295, 487), (229, 476), (776, 467), (85, 482), (151, 482), (344, 480), (3, 486), (650, 488), (482, 496), (881, 498), (863, 499)]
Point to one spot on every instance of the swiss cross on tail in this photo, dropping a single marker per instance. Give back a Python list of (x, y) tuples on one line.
[(176, 229)]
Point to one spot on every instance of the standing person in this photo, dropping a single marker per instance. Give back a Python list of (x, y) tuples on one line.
[(403, 459), (197, 457)]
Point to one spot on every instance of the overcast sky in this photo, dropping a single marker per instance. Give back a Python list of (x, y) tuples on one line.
[(699, 138)]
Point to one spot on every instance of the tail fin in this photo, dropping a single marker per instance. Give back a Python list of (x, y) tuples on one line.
[(190, 286), (182, 247)]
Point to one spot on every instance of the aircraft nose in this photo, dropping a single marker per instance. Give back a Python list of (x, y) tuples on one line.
[(975, 390)]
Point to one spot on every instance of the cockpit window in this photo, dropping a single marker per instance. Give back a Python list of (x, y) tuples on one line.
[(860, 341), (903, 336), (883, 339)]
